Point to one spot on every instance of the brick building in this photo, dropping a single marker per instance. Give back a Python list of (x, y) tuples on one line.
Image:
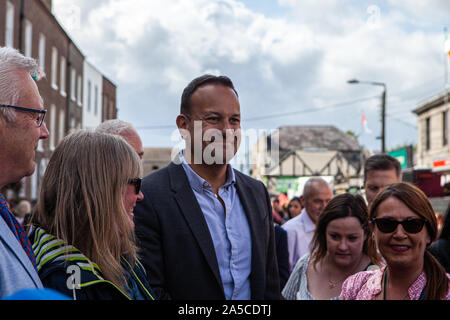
[(433, 148), (109, 100)]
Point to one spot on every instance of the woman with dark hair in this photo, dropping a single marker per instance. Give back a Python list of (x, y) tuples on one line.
[(441, 248), (404, 225), (341, 246), (294, 207)]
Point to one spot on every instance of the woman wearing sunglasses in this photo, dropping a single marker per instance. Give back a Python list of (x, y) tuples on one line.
[(82, 229), (404, 225), (341, 246)]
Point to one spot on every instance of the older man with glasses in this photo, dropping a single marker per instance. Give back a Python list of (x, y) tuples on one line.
[(21, 127)]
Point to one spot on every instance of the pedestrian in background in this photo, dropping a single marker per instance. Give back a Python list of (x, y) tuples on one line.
[(281, 247), (404, 225), (441, 247), (124, 129), (380, 170), (84, 219), (22, 212), (341, 246), (300, 230), (294, 207)]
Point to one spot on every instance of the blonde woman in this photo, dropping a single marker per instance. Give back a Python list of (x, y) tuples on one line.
[(82, 228)]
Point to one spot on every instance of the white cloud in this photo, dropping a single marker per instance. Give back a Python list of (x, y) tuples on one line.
[(153, 48)]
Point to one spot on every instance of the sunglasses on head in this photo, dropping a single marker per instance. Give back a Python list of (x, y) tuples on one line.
[(136, 182), (410, 224)]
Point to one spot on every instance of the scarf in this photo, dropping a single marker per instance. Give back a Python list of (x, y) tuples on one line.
[(16, 229)]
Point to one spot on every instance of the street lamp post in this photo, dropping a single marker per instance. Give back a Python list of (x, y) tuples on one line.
[(383, 108)]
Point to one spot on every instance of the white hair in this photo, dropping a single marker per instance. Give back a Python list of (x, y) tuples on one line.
[(12, 61), (115, 127)]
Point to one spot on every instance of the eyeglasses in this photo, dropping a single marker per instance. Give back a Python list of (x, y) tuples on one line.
[(40, 117), (410, 225), (137, 184)]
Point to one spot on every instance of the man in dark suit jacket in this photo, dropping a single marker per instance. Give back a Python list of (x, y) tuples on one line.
[(204, 229)]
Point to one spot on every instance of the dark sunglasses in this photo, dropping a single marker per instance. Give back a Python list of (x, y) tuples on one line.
[(40, 113), (136, 182), (410, 225)]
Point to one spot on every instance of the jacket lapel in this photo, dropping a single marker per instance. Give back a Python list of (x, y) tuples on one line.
[(193, 214), (15, 248), (253, 212)]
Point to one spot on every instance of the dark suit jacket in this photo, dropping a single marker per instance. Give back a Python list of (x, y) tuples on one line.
[(281, 245), (176, 247)]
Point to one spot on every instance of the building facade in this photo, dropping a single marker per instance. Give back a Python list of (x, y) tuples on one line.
[(74, 101), (109, 100), (156, 158), (93, 86), (287, 158), (433, 148)]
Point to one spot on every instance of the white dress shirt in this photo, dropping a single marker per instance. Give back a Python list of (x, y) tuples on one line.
[(300, 231)]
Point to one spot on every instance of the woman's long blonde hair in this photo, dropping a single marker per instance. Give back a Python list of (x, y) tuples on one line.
[(81, 198)]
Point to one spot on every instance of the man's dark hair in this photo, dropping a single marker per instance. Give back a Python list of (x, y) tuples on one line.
[(382, 162), (198, 82)]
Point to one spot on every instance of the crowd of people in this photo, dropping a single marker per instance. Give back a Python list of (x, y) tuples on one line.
[(199, 229)]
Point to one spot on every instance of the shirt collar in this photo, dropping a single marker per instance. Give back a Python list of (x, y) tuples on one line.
[(198, 183), (308, 223)]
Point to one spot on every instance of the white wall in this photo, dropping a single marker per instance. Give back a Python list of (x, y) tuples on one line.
[(91, 117)]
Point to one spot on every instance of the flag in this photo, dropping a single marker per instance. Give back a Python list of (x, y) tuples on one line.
[(364, 123), (447, 45)]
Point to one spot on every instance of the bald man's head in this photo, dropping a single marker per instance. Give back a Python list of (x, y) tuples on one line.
[(316, 195)]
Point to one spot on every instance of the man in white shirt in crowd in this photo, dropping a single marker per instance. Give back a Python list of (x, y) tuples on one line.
[(300, 230)]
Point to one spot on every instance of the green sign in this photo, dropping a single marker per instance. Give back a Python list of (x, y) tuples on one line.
[(401, 155), (283, 184)]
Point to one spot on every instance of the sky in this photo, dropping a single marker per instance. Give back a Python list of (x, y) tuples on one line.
[(289, 60)]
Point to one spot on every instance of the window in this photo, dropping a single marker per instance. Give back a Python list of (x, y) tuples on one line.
[(73, 80), (111, 110), (54, 67), (28, 38), (96, 101), (105, 107), (52, 112), (42, 52), (9, 27), (62, 75), (444, 128), (79, 90), (89, 96), (61, 127), (427, 134)]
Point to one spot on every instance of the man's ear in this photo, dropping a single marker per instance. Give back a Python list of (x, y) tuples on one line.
[(302, 201), (182, 121)]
